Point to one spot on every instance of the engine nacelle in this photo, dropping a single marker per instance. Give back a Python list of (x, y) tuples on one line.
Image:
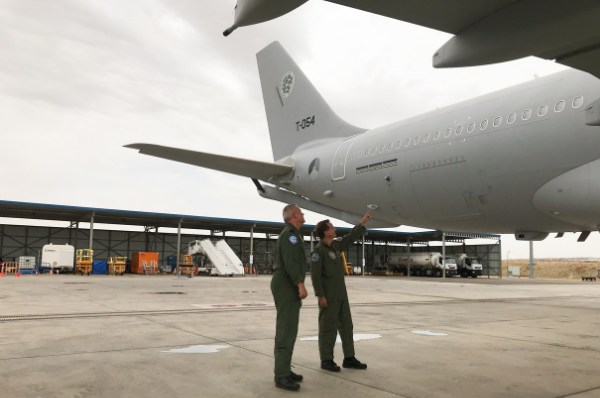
[(573, 197), (524, 28)]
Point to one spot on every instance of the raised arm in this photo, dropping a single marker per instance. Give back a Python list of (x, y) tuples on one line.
[(356, 232)]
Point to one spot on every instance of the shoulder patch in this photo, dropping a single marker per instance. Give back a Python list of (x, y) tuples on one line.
[(332, 255), (314, 257), (293, 239)]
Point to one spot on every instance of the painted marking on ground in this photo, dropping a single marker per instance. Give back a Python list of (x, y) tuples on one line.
[(198, 349), (356, 337), (234, 305), (428, 333)]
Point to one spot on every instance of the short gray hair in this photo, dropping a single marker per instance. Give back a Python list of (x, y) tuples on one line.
[(288, 211)]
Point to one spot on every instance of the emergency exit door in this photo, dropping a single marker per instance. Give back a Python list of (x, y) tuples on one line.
[(338, 168)]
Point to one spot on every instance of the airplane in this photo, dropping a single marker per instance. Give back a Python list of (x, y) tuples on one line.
[(523, 160)]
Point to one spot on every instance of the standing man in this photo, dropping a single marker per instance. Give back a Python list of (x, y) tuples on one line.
[(327, 273), (287, 285)]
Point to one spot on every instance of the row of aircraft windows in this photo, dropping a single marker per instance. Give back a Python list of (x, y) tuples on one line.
[(526, 115)]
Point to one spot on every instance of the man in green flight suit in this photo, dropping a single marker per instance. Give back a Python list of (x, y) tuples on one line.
[(327, 274), (287, 286)]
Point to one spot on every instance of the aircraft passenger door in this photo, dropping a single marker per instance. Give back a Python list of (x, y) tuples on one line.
[(338, 167)]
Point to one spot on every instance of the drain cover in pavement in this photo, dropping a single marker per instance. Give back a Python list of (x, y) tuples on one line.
[(234, 305), (198, 349), (428, 333), (164, 293)]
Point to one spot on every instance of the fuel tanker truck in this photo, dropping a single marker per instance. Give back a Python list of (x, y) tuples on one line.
[(422, 264), (468, 266)]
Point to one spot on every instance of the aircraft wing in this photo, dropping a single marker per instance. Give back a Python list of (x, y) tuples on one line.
[(447, 16), (248, 168), (493, 31), (486, 31)]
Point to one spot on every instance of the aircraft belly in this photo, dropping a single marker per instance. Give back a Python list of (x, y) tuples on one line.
[(443, 190), (377, 187)]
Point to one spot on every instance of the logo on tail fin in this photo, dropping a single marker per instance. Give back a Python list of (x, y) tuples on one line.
[(287, 84)]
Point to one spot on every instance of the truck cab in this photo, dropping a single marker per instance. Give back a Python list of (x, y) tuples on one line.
[(451, 267), (469, 266)]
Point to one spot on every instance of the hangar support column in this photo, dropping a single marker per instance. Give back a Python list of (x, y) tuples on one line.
[(251, 248), (363, 255), (179, 247), (91, 246), (443, 255), (408, 262), (531, 263)]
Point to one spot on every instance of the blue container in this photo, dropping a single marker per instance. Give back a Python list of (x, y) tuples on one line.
[(27, 271), (99, 267), (172, 261)]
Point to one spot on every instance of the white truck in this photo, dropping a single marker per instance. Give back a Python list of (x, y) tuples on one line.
[(468, 266), (58, 257), (423, 264)]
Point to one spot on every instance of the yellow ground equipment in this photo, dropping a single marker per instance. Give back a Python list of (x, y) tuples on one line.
[(83, 261), (347, 266), (116, 265), (187, 266)]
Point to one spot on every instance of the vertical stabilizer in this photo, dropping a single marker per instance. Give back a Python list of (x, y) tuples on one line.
[(296, 112)]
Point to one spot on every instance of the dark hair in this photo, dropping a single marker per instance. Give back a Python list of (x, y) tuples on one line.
[(321, 227)]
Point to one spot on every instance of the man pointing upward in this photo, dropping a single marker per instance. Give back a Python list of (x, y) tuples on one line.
[(327, 274)]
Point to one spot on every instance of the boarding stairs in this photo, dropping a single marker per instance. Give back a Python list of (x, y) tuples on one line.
[(222, 257)]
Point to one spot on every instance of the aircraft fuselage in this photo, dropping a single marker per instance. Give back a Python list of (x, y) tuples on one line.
[(514, 160)]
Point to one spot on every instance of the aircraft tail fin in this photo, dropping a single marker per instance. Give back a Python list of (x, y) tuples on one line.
[(296, 112)]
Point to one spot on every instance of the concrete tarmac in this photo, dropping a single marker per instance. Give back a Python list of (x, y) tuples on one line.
[(105, 336)]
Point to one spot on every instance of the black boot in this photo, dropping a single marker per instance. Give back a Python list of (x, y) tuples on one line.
[(296, 377), (330, 366), (287, 383), (353, 363)]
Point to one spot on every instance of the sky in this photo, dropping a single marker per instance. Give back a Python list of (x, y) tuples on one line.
[(81, 79)]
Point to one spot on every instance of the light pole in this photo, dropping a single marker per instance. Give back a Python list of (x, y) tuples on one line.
[(507, 274)]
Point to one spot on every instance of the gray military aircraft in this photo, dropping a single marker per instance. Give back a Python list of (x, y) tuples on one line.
[(523, 160)]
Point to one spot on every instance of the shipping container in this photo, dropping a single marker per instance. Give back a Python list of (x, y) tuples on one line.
[(137, 258)]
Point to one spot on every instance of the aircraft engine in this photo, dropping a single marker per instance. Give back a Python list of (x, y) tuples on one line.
[(525, 28), (252, 12), (573, 197)]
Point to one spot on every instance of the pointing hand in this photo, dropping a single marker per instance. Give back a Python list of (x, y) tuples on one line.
[(366, 218)]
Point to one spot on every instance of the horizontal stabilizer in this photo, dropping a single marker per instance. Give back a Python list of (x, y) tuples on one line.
[(242, 167)]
